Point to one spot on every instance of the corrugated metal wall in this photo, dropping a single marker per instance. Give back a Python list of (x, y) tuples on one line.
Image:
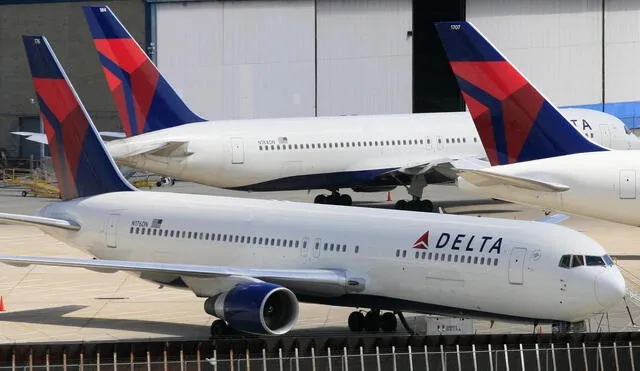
[(557, 44), (364, 57), (256, 59)]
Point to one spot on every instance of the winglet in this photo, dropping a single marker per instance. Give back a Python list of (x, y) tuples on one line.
[(144, 99), (515, 121), (82, 165)]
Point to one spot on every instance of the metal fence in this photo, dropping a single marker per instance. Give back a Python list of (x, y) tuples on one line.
[(539, 357)]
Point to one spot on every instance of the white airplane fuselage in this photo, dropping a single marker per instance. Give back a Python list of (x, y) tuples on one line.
[(603, 185), (489, 268), (330, 152)]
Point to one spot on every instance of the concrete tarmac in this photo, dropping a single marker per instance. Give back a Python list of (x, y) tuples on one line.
[(53, 304)]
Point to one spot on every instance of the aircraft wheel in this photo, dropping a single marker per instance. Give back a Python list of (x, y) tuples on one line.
[(401, 205), (413, 205), (426, 206), (24, 193), (388, 322), (356, 321), (158, 184), (219, 327), (372, 321), (345, 200), (320, 199)]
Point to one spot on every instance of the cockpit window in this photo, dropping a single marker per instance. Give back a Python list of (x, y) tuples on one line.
[(594, 260), (608, 260), (577, 261), (627, 130), (572, 261)]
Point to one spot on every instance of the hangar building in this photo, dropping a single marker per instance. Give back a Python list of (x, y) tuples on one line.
[(277, 58)]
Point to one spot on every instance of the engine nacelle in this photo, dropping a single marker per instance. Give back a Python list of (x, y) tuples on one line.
[(256, 307)]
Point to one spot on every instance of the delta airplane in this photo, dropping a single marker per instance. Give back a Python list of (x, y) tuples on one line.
[(538, 158), (364, 153), (254, 260)]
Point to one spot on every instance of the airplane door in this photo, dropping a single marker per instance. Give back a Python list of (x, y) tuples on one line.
[(627, 184), (237, 151), (516, 265), (305, 244), (316, 247), (606, 135), (111, 230)]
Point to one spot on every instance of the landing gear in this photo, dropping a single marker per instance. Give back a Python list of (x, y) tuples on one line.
[(334, 198), (415, 205), (356, 321), (219, 328), (372, 321)]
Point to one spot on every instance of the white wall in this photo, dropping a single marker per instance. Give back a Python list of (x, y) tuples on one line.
[(364, 57), (244, 59), (250, 59)]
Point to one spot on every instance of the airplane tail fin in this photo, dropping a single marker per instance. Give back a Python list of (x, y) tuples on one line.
[(81, 162), (514, 120), (144, 99)]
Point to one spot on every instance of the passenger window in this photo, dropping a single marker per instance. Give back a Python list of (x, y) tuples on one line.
[(424, 254), (447, 140), (357, 248), (397, 253), (468, 260), (455, 258), (131, 230), (475, 260), (242, 239), (577, 261), (495, 261), (326, 246), (184, 234), (155, 232), (404, 253), (429, 256), (290, 243), (439, 140), (260, 148), (148, 231), (304, 244), (273, 241), (254, 240), (324, 145), (475, 139), (344, 248), (272, 147), (297, 243), (442, 257), (565, 261), (594, 260), (436, 256), (488, 261), (417, 254), (449, 257), (166, 231)]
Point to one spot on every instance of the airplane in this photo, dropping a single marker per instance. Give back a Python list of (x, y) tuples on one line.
[(255, 260), (364, 153), (537, 158)]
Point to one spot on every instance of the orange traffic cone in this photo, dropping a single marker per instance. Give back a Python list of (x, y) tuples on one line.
[(1, 304), (389, 196)]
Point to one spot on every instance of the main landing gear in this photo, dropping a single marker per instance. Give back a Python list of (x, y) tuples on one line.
[(372, 321), (335, 198), (415, 205)]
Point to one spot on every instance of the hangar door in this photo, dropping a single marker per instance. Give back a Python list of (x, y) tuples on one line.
[(240, 59)]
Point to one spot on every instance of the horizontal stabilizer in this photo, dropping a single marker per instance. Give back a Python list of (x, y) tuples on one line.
[(553, 219), (483, 178), (331, 281), (128, 148), (38, 221)]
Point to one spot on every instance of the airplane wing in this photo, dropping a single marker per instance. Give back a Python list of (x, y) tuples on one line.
[(320, 281), (484, 178)]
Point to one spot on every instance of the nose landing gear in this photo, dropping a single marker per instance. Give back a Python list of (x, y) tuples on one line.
[(415, 205)]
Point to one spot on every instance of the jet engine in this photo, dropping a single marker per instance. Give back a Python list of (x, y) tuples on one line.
[(256, 307)]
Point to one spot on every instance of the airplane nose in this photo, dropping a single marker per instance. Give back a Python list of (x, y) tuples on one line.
[(610, 287)]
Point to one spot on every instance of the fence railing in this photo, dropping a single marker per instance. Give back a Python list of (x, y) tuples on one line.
[(540, 357)]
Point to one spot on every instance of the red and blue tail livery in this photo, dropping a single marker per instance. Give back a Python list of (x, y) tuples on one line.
[(144, 99), (80, 160), (514, 120)]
